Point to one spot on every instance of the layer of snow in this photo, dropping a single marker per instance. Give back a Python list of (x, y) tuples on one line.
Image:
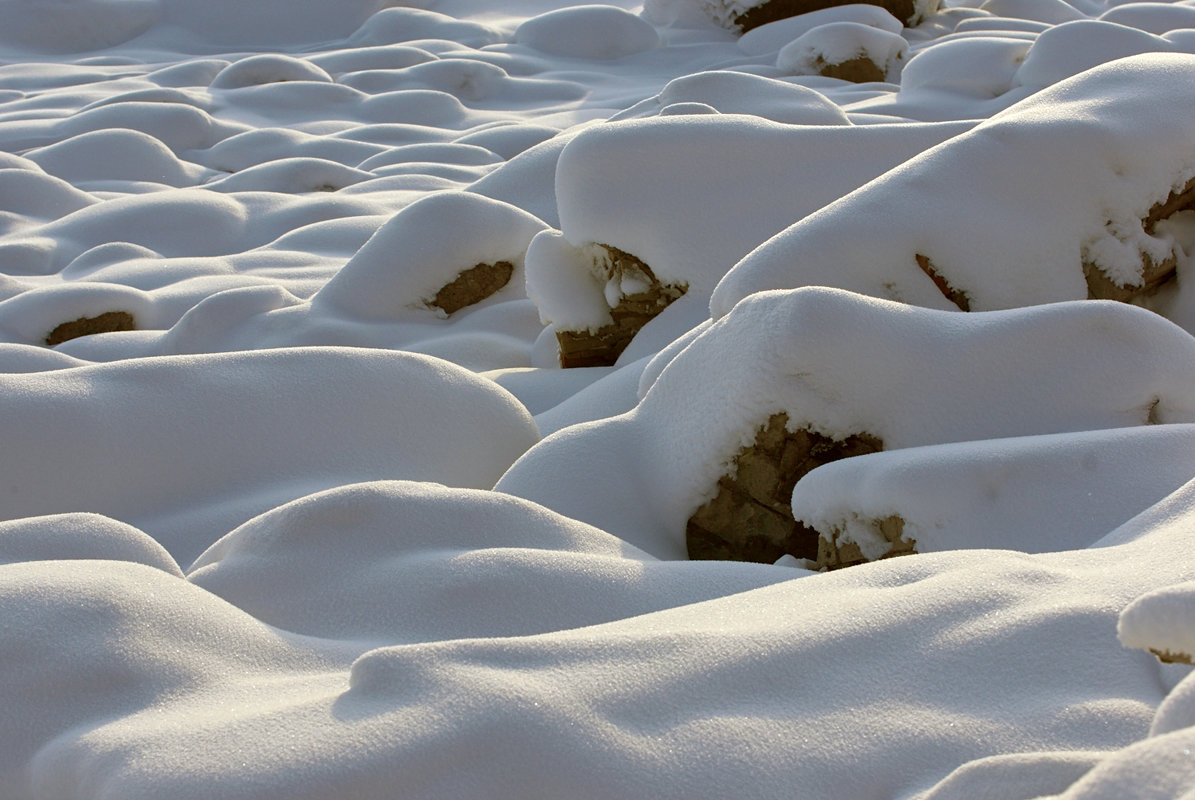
[(252, 548)]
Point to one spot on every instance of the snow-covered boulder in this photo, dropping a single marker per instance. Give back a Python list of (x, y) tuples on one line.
[(1033, 494), (746, 15), (438, 255), (706, 189), (773, 36), (850, 51), (818, 355), (1062, 196), (1162, 622)]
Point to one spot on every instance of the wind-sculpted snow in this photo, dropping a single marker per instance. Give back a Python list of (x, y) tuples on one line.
[(286, 287)]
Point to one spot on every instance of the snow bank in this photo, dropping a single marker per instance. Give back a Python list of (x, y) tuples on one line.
[(1069, 177)]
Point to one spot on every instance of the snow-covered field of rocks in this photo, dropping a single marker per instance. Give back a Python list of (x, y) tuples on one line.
[(530, 400)]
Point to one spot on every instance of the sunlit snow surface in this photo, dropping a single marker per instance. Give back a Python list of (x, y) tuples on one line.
[(292, 531)]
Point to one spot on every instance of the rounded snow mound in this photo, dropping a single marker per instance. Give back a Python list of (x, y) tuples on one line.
[(429, 246), (268, 68), (596, 32)]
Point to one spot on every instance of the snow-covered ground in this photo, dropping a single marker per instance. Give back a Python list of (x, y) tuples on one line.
[(297, 500)]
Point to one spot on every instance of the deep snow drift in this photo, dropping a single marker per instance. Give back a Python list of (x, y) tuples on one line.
[(298, 500)]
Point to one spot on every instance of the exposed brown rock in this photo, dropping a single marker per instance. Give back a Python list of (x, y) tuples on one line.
[(750, 518), (602, 347), (85, 326), (856, 70), (1154, 275), (1101, 287), (1167, 657), (773, 10), (833, 554), (960, 299), (472, 286)]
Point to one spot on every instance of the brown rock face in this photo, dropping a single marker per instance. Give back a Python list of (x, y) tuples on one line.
[(1101, 287), (472, 286), (750, 518), (1167, 657), (773, 10), (602, 347), (960, 299), (856, 70), (85, 326), (832, 554)]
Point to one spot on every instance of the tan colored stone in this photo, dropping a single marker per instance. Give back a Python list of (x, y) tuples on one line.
[(835, 554), (903, 10), (85, 326), (856, 70), (1167, 657), (472, 286), (960, 299), (602, 347), (750, 517), (1154, 275)]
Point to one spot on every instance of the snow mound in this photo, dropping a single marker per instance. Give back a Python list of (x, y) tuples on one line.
[(267, 68), (274, 425), (1163, 622), (742, 93), (449, 563), (1051, 12), (400, 25), (598, 32), (1066, 50), (292, 176), (115, 154), (982, 67), (33, 316), (1072, 179), (427, 246), (62, 537), (1155, 18)]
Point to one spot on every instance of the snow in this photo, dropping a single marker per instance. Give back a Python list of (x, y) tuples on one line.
[(275, 523)]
